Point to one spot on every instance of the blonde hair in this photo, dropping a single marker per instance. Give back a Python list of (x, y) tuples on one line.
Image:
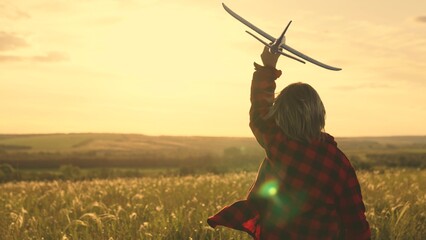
[(299, 112)]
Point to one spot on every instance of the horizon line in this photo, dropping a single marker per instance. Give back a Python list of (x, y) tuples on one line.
[(207, 136)]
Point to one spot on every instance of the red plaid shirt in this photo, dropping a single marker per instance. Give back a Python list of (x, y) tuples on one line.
[(303, 190)]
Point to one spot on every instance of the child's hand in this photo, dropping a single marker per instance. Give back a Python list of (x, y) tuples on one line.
[(269, 59)]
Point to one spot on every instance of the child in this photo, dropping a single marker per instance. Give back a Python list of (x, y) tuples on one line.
[(306, 188)]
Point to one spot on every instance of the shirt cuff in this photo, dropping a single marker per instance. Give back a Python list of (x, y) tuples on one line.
[(269, 71)]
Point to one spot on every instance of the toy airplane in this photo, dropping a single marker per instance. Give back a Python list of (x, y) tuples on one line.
[(278, 44)]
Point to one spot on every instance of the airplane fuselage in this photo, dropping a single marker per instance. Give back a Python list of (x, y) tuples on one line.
[(275, 47)]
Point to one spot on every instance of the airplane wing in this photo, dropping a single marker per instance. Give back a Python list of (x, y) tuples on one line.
[(272, 39), (301, 55), (248, 24)]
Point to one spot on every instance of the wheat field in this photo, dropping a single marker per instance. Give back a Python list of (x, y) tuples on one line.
[(177, 207)]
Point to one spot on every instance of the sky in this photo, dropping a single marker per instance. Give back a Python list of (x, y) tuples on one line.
[(183, 67)]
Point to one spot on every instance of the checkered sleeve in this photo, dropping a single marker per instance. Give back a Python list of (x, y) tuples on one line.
[(241, 215), (352, 210), (262, 98)]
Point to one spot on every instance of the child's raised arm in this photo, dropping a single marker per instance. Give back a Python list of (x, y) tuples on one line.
[(262, 95)]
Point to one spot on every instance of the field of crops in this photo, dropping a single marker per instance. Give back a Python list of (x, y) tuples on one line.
[(177, 207)]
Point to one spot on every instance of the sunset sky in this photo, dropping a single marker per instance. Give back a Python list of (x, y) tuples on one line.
[(183, 67)]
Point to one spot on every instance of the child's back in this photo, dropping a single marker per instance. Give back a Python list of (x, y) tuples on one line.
[(312, 191)]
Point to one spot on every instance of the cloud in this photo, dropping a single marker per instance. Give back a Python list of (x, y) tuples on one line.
[(9, 41), (420, 19), (54, 6), (46, 58), (12, 12), (50, 57), (104, 21), (362, 86), (7, 58)]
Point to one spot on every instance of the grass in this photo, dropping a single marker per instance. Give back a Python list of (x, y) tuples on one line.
[(177, 207)]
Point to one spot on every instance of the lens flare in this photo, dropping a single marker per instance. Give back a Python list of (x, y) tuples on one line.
[(269, 189)]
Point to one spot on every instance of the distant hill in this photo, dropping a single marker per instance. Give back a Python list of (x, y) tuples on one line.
[(81, 142), (118, 150), (89, 149), (76, 142)]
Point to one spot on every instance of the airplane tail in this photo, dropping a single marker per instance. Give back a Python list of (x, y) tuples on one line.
[(279, 40), (288, 25)]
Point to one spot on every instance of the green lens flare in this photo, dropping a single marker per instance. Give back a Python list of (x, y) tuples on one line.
[(272, 191), (269, 189)]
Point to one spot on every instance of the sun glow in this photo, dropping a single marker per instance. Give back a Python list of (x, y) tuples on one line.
[(184, 67)]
